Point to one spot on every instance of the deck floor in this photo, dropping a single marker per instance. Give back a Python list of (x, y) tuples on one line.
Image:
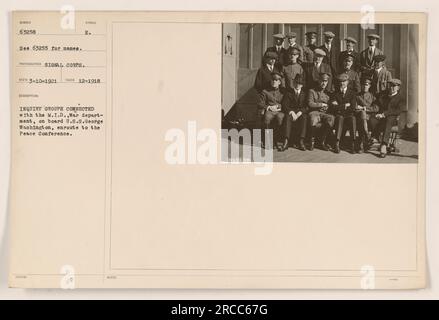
[(407, 153)]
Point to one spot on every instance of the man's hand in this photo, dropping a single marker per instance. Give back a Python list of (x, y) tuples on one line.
[(380, 116), (347, 105), (334, 103), (293, 115)]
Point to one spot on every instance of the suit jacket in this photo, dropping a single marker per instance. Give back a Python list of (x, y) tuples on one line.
[(312, 74), (280, 55), (330, 58), (343, 55), (269, 97), (380, 80), (391, 105), (263, 78), (293, 102), (367, 64), (308, 53), (342, 99)]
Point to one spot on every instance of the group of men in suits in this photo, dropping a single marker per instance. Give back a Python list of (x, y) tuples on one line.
[(323, 94)]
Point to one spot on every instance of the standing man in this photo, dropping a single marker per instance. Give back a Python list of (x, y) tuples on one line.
[(263, 77), (313, 70), (295, 110), (270, 105), (292, 68), (366, 110), (381, 76), (342, 105), (308, 50), (292, 44), (350, 51), (353, 76), (278, 48), (318, 100), (391, 104), (328, 47), (367, 61)]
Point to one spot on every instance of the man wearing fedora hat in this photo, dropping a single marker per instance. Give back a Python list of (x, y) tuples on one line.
[(391, 103), (295, 109), (329, 48), (367, 61), (350, 51)]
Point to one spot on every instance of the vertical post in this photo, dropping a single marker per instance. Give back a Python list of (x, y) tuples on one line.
[(304, 35), (264, 38), (250, 47)]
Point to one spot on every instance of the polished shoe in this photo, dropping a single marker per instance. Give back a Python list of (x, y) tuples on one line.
[(285, 145), (391, 149), (325, 146), (302, 145), (353, 147), (337, 147)]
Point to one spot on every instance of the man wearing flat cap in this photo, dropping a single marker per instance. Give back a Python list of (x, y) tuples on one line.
[(308, 50), (380, 76), (354, 77), (313, 70), (278, 48), (350, 51), (292, 68), (292, 44), (342, 105), (263, 76), (367, 61), (295, 108), (328, 46), (319, 117), (270, 106), (391, 103)]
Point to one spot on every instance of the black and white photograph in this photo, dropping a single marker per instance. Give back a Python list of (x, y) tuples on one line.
[(322, 92)]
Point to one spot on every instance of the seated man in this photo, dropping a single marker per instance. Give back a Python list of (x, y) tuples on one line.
[(318, 114), (390, 103), (343, 102), (366, 110), (295, 110), (269, 105)]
